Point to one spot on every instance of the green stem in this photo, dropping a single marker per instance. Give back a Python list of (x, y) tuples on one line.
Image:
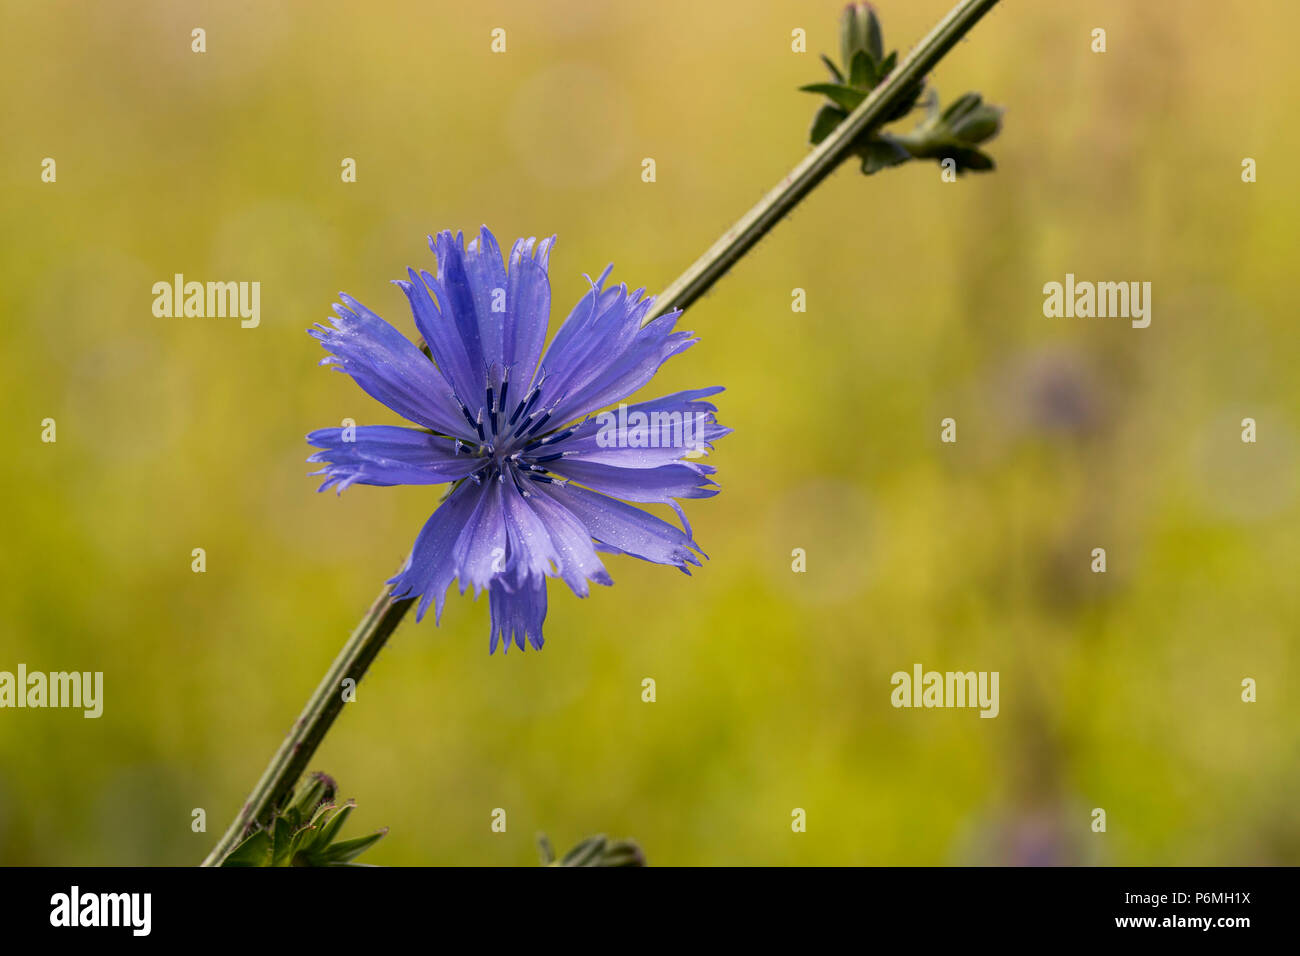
[(312, 724), (821, 162), (384, 615)]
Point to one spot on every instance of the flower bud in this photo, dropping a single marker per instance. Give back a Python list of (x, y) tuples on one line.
[(860, 30), (316, 789)]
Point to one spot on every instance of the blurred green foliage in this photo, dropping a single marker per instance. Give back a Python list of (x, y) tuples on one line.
[(924, 301)]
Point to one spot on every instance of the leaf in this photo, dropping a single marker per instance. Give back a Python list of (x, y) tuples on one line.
[(283, 839), (881, 153), (968, 159), (960, 107), (862, 72), (845, 97), (331, 829), (906, 103), (586, 852), (623, 853), (824, 123), (254, 851), (547, 851), (931, 103), (886, 65), (351, 849), (836, 75)]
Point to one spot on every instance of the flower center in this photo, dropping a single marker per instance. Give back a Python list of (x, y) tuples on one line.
[(515, 444)]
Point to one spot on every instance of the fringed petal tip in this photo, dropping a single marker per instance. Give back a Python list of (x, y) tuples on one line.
[(531, 248), (404, 589), (334, 478), (516, 616)]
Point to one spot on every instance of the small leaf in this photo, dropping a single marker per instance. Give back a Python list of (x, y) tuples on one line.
[(585, 852), (282, 842), (931, 103), (351, 849), (836, 75), (254, 851), (862, 73), (960, 107), (598, 851), (331, 829), (545, 849), (306, 840), (881, 153), (887, 65), (824, 123), (968, 159), (845, 97), (906, 103), (978, 125), (623, 853)]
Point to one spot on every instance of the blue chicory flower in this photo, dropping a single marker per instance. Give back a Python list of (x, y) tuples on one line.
[(539, 484)]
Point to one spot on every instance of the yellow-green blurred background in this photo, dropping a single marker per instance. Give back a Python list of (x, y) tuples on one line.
[(1119, 691)]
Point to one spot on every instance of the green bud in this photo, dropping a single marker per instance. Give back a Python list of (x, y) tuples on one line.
[(954, 132), (978, 125), (860, 31), (316, 789)]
